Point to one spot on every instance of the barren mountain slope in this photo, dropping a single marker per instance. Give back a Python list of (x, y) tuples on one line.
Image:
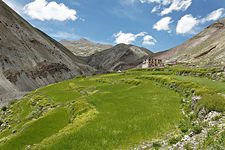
[(84, 47), (30, 59), (119, 57), (205, 49)]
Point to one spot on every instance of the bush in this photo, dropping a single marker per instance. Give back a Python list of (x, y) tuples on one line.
[(197, 129), (72, 86), (4, 108), (156, 145), (1, 122), (174, 140), (212, 102), (188, 147)]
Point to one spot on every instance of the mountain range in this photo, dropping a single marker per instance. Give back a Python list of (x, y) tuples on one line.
[(84, 47), (30, 59), (119, 57)]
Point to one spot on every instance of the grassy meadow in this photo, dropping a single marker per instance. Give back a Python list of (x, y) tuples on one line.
[(111, 111)]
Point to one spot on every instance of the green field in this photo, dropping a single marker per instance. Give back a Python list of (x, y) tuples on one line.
[(111, 111)]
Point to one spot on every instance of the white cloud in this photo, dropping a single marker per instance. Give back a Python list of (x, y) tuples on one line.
[(149, 40), (42, 10), (156, 9), (186, 24), (163, 24), (161, 2), (214, 15), (177, 5), (174, 5), (127, 38)]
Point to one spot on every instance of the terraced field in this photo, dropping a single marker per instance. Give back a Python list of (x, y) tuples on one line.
[(111, 111)]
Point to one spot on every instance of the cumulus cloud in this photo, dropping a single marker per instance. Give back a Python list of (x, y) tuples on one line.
[(42, 10), (129, 38), (149, 40), (163, 24), (177, 5), (186, 24), (214, 15), (169, 5)]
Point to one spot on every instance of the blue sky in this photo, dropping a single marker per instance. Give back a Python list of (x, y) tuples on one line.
[(154, 24)]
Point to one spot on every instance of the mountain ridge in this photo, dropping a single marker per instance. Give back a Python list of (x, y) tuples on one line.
[(30, 59), (124, 57), (205, 49), (84, 47)]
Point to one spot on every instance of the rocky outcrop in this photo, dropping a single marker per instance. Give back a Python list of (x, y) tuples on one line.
[(30, 59)]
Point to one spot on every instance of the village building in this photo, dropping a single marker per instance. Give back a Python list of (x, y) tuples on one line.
[(152, 63)]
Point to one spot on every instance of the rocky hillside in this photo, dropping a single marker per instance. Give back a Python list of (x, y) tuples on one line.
[(84, 47), (119, 57), (206, 49), (30, 59)]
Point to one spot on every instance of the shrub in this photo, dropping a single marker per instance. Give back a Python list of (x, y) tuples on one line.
[(197, 129), (174, 140), (212, 102), (216, 118), (188, 147), (4, 108), (156, 145), (72, 86), (1, 122)]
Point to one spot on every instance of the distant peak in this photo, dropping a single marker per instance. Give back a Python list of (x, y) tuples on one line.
[(84, 40)]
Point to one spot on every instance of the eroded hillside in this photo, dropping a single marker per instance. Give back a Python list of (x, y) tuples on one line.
[(30, 59), (205, 49)]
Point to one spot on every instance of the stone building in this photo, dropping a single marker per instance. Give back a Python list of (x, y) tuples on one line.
[(152, 63)]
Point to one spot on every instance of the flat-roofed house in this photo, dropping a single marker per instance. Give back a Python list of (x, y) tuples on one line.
[(152, 63)]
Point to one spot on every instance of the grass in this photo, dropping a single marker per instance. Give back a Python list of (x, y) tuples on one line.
[(111, 111), (216, 85), (37, 130), (210, 99), (141, 114)]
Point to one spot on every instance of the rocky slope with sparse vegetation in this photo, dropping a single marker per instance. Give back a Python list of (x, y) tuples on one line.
[(119, 57), (206, 49), (30, 59), (84, 47)]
